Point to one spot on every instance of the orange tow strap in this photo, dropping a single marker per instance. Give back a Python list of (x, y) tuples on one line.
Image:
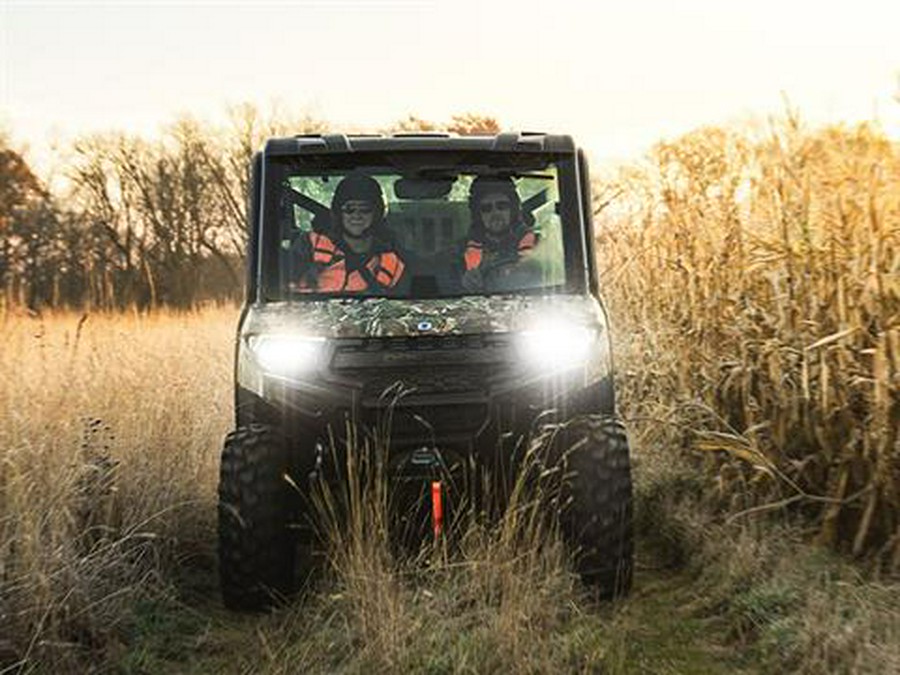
[(437, 508)]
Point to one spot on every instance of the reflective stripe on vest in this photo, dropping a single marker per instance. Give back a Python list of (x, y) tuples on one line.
[(323, 249), (386, 269)]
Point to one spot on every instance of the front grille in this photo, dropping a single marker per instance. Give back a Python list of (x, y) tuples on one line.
[(417, 352), (423, 382), (439, 421), (385, 367), (417, 343), (433, 387)]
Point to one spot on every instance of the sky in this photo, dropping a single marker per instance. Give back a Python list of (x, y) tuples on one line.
[(618, 76)]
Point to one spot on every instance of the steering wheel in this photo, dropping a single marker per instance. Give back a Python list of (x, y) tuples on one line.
[(498, 266), (489, 273)]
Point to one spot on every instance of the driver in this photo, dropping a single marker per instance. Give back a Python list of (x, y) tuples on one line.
[(359, 256), (499, 240)]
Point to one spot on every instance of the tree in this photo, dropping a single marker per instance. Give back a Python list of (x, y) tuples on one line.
[(413, 124), (26, 223), (18, 185), (472, 124), (173, 212), (465, 124)]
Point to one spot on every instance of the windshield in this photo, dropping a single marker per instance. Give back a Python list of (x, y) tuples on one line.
[(420, 225)]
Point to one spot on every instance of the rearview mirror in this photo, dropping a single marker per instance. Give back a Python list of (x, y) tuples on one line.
[(423, 188)]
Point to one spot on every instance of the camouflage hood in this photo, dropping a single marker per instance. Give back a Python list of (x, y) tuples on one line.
[(386, 317)]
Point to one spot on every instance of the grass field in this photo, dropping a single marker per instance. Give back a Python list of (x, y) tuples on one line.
[(110, 438), (752, 285), (109, 476), (108, 508)]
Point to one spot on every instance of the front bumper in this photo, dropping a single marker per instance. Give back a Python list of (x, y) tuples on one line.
[(421, 391)]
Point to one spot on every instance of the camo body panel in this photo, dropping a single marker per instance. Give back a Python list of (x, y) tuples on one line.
[(388, 317), (384, 318)]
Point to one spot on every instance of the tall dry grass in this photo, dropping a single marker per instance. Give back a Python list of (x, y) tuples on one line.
[(491, 595), (109, 445), (755, 276), (753, 283)]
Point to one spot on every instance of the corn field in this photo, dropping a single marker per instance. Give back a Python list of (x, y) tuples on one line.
[(755, 276)]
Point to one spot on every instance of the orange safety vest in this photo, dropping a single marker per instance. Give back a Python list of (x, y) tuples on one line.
[(475, 249), (385, 267)]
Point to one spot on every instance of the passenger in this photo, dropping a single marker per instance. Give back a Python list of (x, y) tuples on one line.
[(499, 240), (358, 255)]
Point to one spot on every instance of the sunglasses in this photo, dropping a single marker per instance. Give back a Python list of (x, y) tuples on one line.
[(488, 207), (356, 209)]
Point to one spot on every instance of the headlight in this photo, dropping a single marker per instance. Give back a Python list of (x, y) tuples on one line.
[(557, 345), (286, 354)]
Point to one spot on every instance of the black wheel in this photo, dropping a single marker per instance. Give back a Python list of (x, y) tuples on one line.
[(257, 504), (596, 519)]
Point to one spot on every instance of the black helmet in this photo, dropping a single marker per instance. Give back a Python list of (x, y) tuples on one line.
[(359, 186)]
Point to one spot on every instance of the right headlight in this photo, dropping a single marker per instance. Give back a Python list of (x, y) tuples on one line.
[(557, 345)]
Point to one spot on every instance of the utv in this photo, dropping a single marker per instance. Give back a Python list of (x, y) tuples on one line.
[(476, 364)]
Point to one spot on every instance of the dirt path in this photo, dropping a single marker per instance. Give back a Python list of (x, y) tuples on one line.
[(661, 628)]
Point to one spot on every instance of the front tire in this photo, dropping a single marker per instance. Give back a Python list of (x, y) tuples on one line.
[(257, 552), (596, 518)]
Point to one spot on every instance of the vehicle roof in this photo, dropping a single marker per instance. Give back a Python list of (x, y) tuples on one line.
[(347, 143)]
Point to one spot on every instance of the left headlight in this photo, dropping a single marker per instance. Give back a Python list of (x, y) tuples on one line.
[(557, 345), (286, 354)]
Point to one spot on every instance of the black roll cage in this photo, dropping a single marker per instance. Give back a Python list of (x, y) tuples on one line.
[(340, 151)]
